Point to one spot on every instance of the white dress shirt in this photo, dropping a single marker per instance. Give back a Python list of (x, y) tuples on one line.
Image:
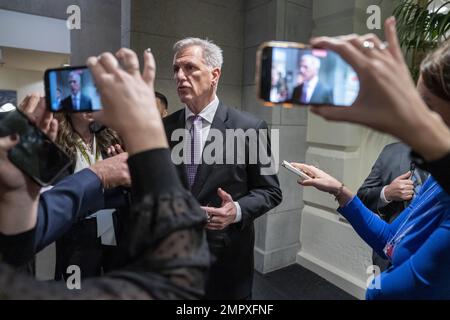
[(207, 115), (383, 201), (310, 86)]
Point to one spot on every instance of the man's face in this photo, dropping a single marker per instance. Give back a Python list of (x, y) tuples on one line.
[(436, 104), (194, 79), (74, 83), (307, 69)]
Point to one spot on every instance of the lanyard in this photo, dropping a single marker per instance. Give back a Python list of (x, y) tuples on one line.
[(84, 152), (402, 231)]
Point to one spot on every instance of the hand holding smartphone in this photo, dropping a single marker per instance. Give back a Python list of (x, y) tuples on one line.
[(35, 155), (71, 89), (294, 73), (303, 176)]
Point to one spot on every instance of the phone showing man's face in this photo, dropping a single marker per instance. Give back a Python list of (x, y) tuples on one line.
[(71, 89), (292, 73)]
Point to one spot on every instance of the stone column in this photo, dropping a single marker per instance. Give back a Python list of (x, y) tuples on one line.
[(277, 233), (329, 245), (159, 24)]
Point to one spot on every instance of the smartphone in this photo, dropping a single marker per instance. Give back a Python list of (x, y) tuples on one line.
[(71, 89), (35, 155), (296, 74), (303, 176)]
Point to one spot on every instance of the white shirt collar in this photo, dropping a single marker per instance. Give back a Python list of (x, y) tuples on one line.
[(313, 82), (76, 95), (207, 113)]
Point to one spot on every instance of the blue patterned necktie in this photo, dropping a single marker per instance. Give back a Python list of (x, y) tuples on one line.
[(195, 148), (75, 102)]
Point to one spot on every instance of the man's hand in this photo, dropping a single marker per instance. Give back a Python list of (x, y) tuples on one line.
[(220, 218), (113, 172), (401, 189)]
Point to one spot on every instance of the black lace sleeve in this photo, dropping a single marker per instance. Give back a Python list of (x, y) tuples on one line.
[(168, 251)]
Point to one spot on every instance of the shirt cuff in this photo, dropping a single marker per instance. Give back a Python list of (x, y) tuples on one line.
[(238, 213), (383, 199)]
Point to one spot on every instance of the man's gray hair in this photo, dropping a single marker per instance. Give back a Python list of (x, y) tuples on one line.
[(212, 54), (313, 59)]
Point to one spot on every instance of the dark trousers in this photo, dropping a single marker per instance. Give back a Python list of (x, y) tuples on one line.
[(81, 247)]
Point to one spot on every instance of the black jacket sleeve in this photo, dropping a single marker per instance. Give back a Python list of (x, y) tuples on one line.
[(264, 187), (168, 252), (370, 191)]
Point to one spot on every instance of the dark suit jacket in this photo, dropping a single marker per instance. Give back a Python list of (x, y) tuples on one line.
[(231, 274), (393, 161), (85, 103), (321, 95)]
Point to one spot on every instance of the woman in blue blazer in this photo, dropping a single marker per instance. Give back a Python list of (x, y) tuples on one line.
[(418, 242)]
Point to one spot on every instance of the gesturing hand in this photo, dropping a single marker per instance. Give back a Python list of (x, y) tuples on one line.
[(220, 218), (319, 179)]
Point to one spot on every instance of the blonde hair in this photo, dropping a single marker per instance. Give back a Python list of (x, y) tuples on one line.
[(67, 136)]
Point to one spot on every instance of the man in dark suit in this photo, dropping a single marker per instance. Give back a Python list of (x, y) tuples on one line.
[(310, 89), (76, 101), (390, 186), (233, 194)]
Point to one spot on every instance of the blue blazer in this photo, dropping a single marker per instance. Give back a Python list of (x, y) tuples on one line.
[(73, 198)]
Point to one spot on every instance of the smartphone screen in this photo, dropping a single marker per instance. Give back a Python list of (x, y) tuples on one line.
[(35, 155), (71, 90), (306, 76)]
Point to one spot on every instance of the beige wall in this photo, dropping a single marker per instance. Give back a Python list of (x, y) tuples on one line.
[(23, 81)]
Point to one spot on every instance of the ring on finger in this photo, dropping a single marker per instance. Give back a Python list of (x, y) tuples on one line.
[(368, 45), (383, 46)]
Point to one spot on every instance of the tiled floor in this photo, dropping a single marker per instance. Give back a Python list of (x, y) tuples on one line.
[(295, 283)]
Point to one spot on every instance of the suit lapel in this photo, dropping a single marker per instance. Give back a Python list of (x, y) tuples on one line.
[(203, 171), (180, 123)]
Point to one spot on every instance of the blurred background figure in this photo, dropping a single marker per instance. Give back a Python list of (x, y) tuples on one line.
[(279, 90), (162, 104), (92, 242)]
